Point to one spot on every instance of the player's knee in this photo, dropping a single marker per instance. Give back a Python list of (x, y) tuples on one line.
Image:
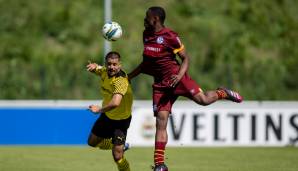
[(161, 124), (117, 157), (117, 154), (119, 137), (91, 144)]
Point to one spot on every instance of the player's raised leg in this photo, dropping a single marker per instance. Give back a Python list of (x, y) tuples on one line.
[(208, 97), (102, 143)]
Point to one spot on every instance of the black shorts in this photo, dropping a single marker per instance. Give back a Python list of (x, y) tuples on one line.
[(105, 127)]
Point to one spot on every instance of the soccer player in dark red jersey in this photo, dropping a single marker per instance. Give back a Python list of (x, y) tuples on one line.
[(171, 80)]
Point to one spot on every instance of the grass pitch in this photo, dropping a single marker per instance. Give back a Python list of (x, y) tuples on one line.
[(83, 158)]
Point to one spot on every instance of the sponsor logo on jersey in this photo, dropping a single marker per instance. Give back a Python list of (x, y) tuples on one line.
[(154, 49)]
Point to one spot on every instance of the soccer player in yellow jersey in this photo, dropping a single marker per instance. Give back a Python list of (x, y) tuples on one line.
[(110, 129)]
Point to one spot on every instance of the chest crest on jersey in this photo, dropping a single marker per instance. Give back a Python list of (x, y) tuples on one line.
[(159, 40)]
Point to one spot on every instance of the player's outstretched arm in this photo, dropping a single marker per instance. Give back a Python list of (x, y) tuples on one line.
[(92, 67), (115, 102), (185, 62), (135, 72)]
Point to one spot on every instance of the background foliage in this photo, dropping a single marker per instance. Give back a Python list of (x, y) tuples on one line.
[(247, 45)]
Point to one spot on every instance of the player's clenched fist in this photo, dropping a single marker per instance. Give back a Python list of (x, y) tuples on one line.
[(92, 66), (94, 108)]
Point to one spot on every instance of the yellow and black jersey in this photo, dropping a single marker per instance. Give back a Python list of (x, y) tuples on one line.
[(117, 84)]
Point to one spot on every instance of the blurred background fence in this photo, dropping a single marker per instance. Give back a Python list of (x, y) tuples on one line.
[(250, 46)]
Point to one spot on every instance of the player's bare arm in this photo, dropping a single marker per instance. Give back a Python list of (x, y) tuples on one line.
[(91, 67), (183, 68), (135, 72), (115, 102)]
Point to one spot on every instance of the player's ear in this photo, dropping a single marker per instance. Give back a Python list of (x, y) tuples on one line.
[(106, 64)]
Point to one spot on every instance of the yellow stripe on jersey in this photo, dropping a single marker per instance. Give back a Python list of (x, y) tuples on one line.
[(179, 49), (116, 85)]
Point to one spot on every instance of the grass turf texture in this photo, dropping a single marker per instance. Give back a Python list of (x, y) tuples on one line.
[(78, 158)]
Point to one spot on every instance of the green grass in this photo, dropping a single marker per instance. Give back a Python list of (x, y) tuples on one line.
[(83, 158)]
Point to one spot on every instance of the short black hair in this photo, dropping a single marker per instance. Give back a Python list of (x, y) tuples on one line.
[(113, 54), (158, 11)]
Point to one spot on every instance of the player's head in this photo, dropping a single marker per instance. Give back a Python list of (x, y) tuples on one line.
[(113, 63), (155, 15)]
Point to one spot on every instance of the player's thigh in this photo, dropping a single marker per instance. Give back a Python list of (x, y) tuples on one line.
[(120, 131), (163, 101), (187, 87), (103, 127)]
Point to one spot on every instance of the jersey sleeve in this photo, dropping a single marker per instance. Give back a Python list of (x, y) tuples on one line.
[(174, 42), (100, 71), (120, 85)]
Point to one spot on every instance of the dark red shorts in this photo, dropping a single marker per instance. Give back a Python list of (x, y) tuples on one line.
[(165, 96)]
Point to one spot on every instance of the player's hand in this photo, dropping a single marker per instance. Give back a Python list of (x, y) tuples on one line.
[(91, 66), (175, 80), (94, 109)]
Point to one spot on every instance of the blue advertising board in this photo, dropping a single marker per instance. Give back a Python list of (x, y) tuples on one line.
[(45, 126)]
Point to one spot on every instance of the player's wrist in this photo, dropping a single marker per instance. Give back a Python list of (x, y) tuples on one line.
[(100, 110), (98, 67)]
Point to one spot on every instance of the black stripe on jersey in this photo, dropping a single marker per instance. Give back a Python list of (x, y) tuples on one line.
[(121, 74)]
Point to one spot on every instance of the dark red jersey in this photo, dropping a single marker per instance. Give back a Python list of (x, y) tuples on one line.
[(159, 55)]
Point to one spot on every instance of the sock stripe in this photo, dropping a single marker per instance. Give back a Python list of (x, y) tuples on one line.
[(120, 161), (221, 94), (159, 158), (159, 152), (123, 165), (160, 155), (106, 144), (159, 162)]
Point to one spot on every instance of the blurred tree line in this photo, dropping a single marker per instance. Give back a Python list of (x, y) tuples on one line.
[(248, 45)]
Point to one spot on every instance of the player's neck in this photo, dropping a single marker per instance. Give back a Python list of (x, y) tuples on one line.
[(158, 28)]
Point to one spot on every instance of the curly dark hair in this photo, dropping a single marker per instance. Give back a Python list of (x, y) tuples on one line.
[(158, 11)]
